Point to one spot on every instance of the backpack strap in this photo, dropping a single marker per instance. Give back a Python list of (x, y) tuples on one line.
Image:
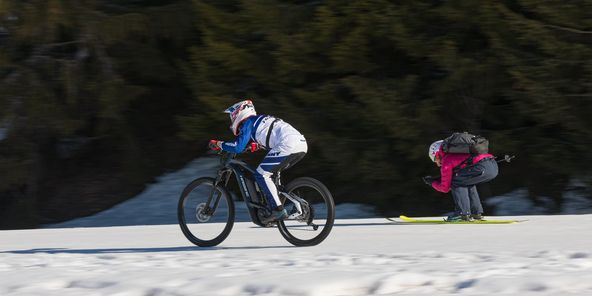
[(467, 163), (269, 132), (256, 126)]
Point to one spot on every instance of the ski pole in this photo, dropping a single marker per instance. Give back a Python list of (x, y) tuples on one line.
[(507, 158)]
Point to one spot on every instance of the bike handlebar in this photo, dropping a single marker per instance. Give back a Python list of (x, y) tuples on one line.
[(225, 156), (251, 148)]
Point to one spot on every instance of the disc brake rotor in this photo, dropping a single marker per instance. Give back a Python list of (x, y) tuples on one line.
[(200, 213)]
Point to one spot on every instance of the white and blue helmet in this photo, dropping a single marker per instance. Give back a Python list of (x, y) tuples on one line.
[(239, 112), (434, 148)]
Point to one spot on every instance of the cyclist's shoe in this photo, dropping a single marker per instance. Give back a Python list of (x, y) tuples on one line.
[(458, 218), (477, 217), (292, 211), (275, 216)]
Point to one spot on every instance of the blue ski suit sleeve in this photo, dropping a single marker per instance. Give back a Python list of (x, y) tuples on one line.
[(242, 139)]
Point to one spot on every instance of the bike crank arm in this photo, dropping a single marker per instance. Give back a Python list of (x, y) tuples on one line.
[(256, 205)]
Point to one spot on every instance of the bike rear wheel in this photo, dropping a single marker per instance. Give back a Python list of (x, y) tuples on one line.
[(315, 223), (205, 221)]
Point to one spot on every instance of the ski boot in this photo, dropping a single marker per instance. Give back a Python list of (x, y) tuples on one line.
[(458, 218), (477, 217)]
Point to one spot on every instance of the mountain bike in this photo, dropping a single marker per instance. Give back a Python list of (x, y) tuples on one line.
[(206, 209)]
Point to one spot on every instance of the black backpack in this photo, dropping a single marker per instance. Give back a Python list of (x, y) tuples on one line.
[(465, 143)]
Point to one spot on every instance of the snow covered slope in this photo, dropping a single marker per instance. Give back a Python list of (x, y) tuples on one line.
[(547, 255), (157, 204)]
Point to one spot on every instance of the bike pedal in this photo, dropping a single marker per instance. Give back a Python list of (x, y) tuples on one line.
[(271, 224)]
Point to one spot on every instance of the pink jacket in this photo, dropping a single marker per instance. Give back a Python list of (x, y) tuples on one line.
[(449, 162)]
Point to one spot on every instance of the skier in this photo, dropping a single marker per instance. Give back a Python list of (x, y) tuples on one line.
[(286, 147), (461, 172)]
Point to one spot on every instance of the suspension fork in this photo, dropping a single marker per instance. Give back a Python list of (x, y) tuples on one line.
[(222, 178)]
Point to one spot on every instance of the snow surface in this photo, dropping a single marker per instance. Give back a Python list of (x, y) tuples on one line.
[(546, 255), (517, 203), (109, 254)]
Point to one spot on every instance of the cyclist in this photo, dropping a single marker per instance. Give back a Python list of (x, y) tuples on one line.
[(286, 147)]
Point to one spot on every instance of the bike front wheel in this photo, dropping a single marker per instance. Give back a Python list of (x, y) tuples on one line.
[(311, 212), (205, 213)]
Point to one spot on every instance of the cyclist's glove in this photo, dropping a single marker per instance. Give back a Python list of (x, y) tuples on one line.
[(253, 147), (215, 145)]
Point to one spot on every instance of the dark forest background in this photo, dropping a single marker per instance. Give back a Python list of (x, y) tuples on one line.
[(97, 97)]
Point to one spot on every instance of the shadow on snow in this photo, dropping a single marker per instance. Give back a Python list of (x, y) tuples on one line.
[(134, 250)]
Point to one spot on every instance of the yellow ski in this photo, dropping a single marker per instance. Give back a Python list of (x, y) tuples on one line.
[(406, 219)]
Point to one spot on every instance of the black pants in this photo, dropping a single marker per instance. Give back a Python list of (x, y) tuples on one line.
[(464, 189)]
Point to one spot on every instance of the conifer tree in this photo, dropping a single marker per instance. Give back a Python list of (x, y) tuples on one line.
[(83, 80), (372, 83)]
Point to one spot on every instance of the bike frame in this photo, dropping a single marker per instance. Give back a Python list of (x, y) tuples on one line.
[(248, 187), (252, 195)]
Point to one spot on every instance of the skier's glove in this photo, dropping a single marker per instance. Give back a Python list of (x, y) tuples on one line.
[(429, 180), (215, 145)]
